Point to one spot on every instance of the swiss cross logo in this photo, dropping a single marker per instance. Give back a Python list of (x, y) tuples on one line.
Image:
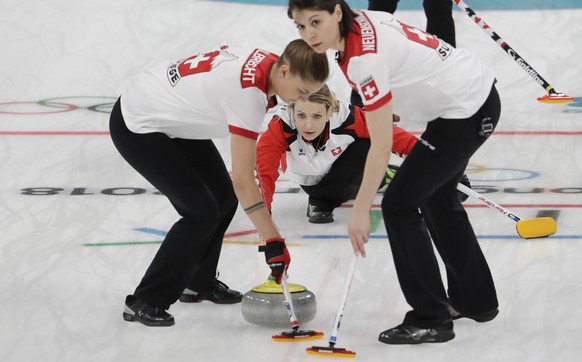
[(199, 63), (204, 62), (336, 151), (196, 62), (420, 36), (369, 88)]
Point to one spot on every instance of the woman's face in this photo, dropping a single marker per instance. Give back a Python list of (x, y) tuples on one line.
[(310, 119), (318, 28)]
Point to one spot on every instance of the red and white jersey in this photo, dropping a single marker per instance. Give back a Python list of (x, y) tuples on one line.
[(308, 162), (425, 77), (204, 96)]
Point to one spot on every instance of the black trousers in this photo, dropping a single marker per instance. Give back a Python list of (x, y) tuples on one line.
[(439, 16), (343, 180), (427, 180), (193, 176)]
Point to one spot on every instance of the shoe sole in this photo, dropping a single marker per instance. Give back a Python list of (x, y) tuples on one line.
[(479, 319), (192, 299), (485, 318), (440, 338), (321, 221), (132, 318)]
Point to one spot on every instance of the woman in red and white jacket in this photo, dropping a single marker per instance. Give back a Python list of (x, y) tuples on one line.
[(322, 145)]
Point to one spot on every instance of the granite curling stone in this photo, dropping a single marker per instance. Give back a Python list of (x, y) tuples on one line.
[(265, 304)]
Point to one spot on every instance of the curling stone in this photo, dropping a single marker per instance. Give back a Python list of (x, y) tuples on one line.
[(265, 304)]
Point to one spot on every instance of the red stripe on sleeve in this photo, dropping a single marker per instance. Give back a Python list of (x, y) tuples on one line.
[(243, 132), (379, 103)]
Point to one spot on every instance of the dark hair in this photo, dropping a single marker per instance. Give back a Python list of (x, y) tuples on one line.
[(305, 62), (348, 15)]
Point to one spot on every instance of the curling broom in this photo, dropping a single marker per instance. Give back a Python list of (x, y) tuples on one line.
[(539, 227), (295, 334), (552, 97), (331, 350)]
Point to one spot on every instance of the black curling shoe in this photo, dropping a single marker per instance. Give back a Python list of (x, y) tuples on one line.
[(221, 294), (409, 334), (136, 310), (481, 317), (318, 216)]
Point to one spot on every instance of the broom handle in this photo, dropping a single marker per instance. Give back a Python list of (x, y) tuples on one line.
[(289, 302), (467, 191), (503, 44), (340, 311)]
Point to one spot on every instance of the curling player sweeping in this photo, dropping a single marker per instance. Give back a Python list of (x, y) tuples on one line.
[(278, 259)]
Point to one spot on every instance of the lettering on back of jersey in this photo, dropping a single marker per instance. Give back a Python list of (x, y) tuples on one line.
[(251, 71), (367, 32), (199, 63), (444, 50)]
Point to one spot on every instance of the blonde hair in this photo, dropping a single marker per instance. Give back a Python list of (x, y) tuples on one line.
[(323, 96), (305, 62)]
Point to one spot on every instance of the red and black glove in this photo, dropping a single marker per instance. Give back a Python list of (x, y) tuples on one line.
[(277, 257)]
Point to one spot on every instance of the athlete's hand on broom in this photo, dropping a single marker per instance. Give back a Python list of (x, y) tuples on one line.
[(277, 257)]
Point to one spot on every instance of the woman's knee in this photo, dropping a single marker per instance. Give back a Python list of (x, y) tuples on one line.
[(393, 206), (198, 210)]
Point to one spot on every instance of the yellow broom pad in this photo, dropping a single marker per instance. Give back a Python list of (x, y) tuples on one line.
[(538, 227)]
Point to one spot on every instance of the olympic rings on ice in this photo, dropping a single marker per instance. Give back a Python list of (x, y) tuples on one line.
[(504, 174), (101, 104)]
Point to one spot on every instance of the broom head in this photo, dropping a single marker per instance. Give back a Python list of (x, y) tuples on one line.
[(555, 98), (297, 335), (331, 352), (538, 227)]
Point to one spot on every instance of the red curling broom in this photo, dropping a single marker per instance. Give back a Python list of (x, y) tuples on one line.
[(553, 97), (295, 334), (332, 350)]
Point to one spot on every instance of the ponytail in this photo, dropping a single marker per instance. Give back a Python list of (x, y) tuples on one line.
[(305, 62)]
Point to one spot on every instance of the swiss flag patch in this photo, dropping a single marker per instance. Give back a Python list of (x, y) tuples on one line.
[(336, 151), (369, 88)]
